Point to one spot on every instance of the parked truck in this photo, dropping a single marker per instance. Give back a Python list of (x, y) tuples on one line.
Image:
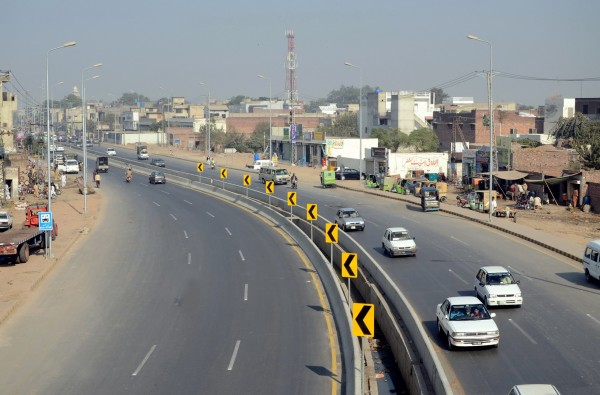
[(142, 152), (15, 244)]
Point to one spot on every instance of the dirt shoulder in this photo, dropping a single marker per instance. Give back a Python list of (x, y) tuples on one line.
[(19, 281)]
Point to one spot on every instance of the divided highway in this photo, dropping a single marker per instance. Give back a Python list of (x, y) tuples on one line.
[(551, 339), (174, 292)]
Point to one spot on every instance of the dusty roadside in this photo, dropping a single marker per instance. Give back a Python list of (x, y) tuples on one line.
[(19, 281)]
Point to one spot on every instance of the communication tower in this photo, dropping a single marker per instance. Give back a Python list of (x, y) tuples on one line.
[(291, 92)]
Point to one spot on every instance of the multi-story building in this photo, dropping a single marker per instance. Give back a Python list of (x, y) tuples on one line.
[(403, 110)]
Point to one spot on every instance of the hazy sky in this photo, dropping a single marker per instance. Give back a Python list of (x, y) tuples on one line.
[(399, 45)]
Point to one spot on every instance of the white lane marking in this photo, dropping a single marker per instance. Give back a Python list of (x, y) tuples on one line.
[(156, 204), (141, 365), (210, 214), (522, 331), (187, 202), (594, 318), (242, 255), (460, 241), (227, 230), (457, 276), (189, 258), (166, 192), (235, 351), (174, 217), (246, 292), (185, 234), (411, 220)]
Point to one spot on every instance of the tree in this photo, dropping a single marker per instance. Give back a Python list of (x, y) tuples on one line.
[(345, 125), (440, 95), (256, 141), (236, 99), (131, 99), (390, 138), (424, 140), (235, 140), (70, 101), (347, 94), (529, 143), (583, 135)]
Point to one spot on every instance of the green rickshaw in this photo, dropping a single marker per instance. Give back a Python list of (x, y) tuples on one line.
[(327, 178)]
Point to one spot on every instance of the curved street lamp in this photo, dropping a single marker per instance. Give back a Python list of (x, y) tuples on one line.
[(65, 45), (270, 117), (360, 110), (84, 116), (207, 119)]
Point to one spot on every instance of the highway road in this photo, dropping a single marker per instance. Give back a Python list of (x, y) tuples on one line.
[(551, 339), (174, 292)]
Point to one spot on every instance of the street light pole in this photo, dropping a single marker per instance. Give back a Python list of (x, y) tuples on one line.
[(65, 45), (270, 116), (207, 119), (491, 111), (360, 110), (83, 113)]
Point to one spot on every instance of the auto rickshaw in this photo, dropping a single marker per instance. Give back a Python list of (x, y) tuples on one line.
[(327, 178), (397, 187), (387, 184), (429, 199), (480, 200), (442, 188), (371, 181)]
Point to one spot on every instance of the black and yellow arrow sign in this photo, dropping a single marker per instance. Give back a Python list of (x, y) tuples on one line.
[(247, 180), (349, 265), (363, 319), (331, 233), (291, 198), (223, 173), (312, 212), (269, 187), (200, 167)]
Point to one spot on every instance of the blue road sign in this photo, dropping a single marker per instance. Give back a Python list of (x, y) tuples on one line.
[(45, 220)]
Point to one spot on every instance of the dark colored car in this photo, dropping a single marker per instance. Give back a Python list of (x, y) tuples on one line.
[(157, 162), (348, 174), (157, 177)]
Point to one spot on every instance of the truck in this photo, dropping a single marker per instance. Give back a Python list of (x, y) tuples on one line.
[(15, 244), (142, 152), (102, 164)]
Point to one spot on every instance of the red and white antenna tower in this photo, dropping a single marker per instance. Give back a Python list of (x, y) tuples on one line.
[(290, 78)]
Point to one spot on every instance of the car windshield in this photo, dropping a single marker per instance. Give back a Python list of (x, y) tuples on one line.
[(468, 312), (396, 236), (281, 172), (3, 216), (500, 279)]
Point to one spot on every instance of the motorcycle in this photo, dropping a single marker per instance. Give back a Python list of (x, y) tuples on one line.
[(294, 184), (127, 178)]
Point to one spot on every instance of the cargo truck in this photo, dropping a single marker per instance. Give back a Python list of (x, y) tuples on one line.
[(142, 152)]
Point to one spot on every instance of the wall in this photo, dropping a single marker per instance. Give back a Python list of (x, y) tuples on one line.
[(430, 162), (544, 159)]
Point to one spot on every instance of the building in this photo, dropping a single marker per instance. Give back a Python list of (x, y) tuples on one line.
[(403, 110)]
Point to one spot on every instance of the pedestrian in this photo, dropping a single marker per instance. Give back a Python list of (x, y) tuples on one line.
[(575, 198), (494, 205), (36, 190), (97, 179), (63, 180)]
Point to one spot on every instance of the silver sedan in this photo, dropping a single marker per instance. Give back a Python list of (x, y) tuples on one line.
[(349, 219)]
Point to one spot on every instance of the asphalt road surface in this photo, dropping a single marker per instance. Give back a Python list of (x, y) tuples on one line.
[(174, 292), (551, 339)]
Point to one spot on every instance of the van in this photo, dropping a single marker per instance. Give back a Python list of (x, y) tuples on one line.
[(591, 261), (275, 174), (261, 163)]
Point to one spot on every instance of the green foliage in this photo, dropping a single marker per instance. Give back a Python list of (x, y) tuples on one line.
[(529, 143), (345, 125), (33, 145), (237, 99), (440, 95), (424, 140), (583, 135), (70, 101), (235, 140), (260, 135), (131, 99), (390, 138), (347, 95)]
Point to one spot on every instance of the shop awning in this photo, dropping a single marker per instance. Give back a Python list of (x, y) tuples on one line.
[(509, 175), (555, 180)]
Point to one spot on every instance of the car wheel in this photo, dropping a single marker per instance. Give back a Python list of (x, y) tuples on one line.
[(588, 278), (439, 327), (384, 249), (450, 346)]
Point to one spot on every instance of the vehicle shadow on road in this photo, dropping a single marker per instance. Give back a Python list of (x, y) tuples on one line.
[(577, 278), (323, 371)]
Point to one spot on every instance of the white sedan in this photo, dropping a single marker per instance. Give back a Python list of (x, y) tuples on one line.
[(397, 241), (6, 220), (111, 152), (465, 322), (495, 286)]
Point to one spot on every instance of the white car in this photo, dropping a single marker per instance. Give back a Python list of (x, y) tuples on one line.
[(349, 219), (397, 241), (111, 152), (534, 389), (495, 286), (465, 322), (6, 220), (60, 148)]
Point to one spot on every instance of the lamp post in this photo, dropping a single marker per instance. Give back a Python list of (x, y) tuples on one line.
[(84, 116), (207, 120), (360, 108), (52, 97), (65, 45), (490, 109), (270, 117)]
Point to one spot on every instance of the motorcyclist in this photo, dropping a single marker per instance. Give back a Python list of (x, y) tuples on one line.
[(212, 163), (294, 180), (128, 174)]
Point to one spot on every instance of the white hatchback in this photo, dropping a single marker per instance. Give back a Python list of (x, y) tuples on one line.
[(111, 152), (397, 241), (495, 286)]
